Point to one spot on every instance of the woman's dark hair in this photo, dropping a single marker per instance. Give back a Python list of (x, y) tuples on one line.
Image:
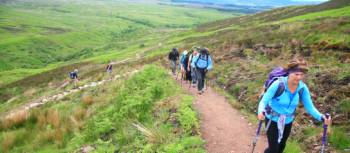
[(297, 64), (204, 51)]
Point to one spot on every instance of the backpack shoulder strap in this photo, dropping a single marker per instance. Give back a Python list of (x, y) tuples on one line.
[(207, 60), (195, 63), (280, 89), (300, 92)]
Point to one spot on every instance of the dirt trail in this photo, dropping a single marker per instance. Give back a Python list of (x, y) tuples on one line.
[(223, 128)]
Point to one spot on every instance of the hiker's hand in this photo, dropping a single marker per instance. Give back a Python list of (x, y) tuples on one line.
[(327, 121), (261, 116)]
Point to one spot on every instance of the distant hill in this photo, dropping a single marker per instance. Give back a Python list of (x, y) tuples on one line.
[(241, 6), (245, 9), (272, 3)]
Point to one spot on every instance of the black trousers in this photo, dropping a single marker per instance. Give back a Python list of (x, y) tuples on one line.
[(272, 137), (201, 78)]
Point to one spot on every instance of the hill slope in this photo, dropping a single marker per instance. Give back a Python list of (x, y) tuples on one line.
[(246, 48)]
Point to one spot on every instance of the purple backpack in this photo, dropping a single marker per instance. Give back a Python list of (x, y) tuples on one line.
[(277, 74), (274, 75)]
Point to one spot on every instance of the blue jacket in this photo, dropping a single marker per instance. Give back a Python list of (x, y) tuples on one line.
[(202, 63), (287, 102), (192, 60)]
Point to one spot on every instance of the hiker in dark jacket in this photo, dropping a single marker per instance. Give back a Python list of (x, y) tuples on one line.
[(74, 76), (173, 57), (279, 111), (109, 68), (203, 64)]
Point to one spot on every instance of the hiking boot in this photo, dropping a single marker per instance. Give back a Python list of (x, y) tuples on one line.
[(200, 92), (194, 85)]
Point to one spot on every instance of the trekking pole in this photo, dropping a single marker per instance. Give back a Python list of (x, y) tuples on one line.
[(189, 86), (268, 110), (206, 82), (182, 77), (324, 137), (255, 140)]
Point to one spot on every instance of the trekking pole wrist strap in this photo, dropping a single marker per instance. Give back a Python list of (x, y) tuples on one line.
[(324, 117)]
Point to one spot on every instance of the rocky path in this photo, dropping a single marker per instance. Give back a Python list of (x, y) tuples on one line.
[(46, 99)]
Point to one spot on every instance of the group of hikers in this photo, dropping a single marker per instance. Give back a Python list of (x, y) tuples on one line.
[(283, 90), (193, 64)]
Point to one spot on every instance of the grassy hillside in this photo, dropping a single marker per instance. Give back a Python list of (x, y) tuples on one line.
[(148, 112), (36, 33)]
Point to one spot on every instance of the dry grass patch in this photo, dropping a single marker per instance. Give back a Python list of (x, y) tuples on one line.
[(30, 92), (87, 100), (18, 118), (53, 118), (49, 117), (80, 113)]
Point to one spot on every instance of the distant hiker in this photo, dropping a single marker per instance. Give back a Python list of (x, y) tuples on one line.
[(203, 64), (185, 71), (191, 66), (280, 109), (173, 57), (109, 68), (74, 77)]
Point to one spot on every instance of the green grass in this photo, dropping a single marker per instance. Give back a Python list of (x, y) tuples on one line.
[(340, 138), (293, 147)]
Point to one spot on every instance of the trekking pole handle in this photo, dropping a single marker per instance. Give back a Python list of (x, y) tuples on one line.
[(327, 115)]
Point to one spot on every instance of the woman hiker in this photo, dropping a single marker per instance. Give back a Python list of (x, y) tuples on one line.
[(280, 110)]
